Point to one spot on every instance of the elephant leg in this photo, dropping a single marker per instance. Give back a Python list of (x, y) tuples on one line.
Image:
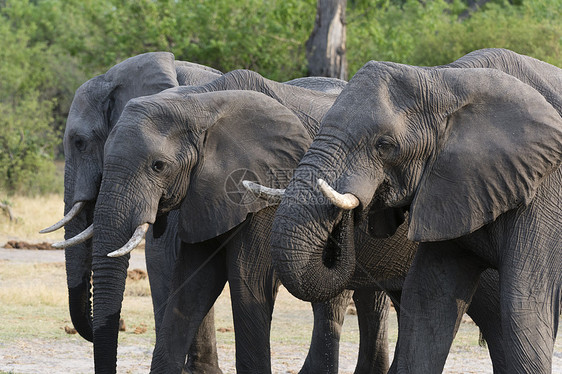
[(531, 278), (372, 314), (203, 356), (395, 297), (199, 278), (253, 289), (529, 324), (325, 343), (530, 307), (484, 310), (161, 254), (436, 294), (159, 277)]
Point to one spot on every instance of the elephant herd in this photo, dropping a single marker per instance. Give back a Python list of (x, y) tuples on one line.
[(439, 187)]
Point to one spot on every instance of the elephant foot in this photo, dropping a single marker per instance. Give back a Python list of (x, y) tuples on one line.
[(201, 369)]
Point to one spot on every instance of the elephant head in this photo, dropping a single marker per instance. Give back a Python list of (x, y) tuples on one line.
[(189, 152), (457, 147), (96, 107)]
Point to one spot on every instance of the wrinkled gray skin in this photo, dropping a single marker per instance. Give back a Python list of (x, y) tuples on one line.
[(247, 265), (96, 107), (474, 155)]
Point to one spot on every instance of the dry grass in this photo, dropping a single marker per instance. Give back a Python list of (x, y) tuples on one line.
[(32, 284), (31, 215), (138, 288), (34, 302)]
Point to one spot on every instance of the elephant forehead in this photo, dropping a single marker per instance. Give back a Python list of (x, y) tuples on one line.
[(363, 115), (89, 100)]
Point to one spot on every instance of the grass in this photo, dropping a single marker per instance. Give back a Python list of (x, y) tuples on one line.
[(32, 214), (34, 302)]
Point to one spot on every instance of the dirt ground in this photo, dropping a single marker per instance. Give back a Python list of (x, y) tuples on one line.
[(74, 355)]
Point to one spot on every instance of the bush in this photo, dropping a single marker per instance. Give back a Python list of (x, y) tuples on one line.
[(50, 47), (434, 33), (27, 139)]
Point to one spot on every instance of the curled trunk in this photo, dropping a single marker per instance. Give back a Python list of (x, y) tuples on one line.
[(312, 242)]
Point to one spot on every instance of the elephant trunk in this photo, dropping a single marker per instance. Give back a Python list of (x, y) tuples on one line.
[(109, 285), (78, 261), (312, 241), (78, 274), (111, 231)]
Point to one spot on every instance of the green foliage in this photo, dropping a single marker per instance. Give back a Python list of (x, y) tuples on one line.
[(27, 138), (527, 29), (27, 141), (49, 47), (265, 36), (438, 32)]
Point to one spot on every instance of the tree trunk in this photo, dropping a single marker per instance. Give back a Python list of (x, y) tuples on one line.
[(325, 49)]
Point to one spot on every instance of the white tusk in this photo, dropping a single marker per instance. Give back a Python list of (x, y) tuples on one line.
[(346, 201), (69, 216), (264, 192), (80, 238), (132, 243)]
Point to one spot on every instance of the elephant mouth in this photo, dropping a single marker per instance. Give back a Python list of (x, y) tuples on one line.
[(384, 193), (338, 241)]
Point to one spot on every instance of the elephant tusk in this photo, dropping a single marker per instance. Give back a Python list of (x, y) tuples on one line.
[(77, 208), (80, 238), (346, 201), (132, 243), (276, 194)]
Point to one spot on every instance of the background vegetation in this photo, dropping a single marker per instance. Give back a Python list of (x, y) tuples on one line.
[(49, 47)]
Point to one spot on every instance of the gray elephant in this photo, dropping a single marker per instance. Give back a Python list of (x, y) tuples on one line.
[(96, 107), (474, 155), (191, 144)]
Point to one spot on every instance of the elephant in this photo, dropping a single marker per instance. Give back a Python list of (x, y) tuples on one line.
[(472, 151), (188, 141), (96, 107)]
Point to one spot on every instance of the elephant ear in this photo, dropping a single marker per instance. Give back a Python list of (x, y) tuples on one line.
[(249, 136), (141, 75), (498, 145)]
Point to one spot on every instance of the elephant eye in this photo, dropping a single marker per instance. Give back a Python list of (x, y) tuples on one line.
[(385, 145), (158, 166), (80, 144)]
